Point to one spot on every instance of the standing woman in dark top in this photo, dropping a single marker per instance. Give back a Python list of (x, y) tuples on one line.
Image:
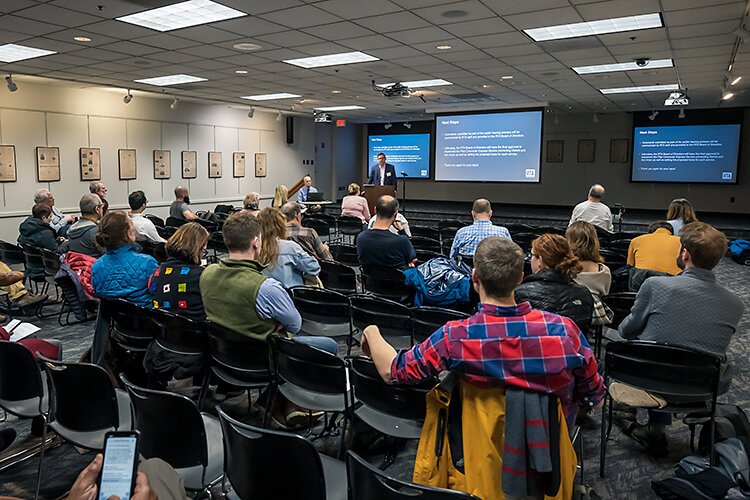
[(551, 287)]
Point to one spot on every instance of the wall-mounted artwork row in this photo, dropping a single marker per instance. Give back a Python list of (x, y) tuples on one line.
[(47, 164), (214, 164), (7, 164), (91, 169), (162, 164), (126, 164), (189, 164)]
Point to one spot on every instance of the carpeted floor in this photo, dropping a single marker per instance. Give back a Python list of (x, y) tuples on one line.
[(628, 473)]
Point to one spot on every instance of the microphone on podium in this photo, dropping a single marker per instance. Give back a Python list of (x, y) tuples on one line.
[(404, 174)]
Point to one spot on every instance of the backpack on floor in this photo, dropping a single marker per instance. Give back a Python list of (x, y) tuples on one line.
[(731, 421), (739, 251)]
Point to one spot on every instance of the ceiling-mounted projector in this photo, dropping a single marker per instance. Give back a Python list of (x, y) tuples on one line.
[(395, 90), (677, 98), (323, 117)]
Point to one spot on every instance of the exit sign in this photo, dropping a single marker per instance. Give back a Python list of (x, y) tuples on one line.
[(341, 123)]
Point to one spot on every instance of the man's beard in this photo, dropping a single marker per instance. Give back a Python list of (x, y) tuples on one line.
[(186, 199)]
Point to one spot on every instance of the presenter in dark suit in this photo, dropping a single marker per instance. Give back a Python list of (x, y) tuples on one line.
[(382, 173)]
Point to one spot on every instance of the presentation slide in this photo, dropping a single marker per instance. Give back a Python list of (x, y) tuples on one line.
[(493, 147), (408, 153), (689, 153)]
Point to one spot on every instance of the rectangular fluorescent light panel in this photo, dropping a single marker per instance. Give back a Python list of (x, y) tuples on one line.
[(339, 108), (628, 66), (270, 97), (602, 27), (182, 15), (645, 88), (418, 84), (10, 52), (171, 80), (332, 60)]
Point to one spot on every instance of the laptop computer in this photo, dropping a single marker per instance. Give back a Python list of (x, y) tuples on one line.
[(315, 196)]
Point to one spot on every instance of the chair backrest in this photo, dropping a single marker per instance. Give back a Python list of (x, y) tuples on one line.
[(157, 221), (620, 304), (70, 294), (132, 326), (386, 282), (51, 262), (548, 230), (320, 305), (175, 222), (179, 333), (245, 358), (393, 319), (349, 225), (663, 369), (223, 209), (33, 257), (402, 401), (338, 277), (603, 234), (517, 227), (425, 255), (11, 254), (446, 244), (305, 366), (20, 374), (624, 235), (424, 232), (256, 463), (620, 246), (448, 228), (524, 240), (422, 243), (217, 242), (428, 319), (367, 482), (467, 259), (82, 396), (613, 260), (166, 232), (330, 219), (345, 254), (171, 427), (321, 227)]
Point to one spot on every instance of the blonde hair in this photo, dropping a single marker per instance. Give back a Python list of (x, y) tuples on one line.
[(272, 229), (353, 188), (280, 196), (251, 199)]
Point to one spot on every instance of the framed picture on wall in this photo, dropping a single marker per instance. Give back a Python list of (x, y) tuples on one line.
[(126, 164), (162, 164), (8, 164), (47, 164), (555, 151), (214, 164), (261, 162), (91, 168), (189, 164), (586, 150), (238, 164), (618, 150)]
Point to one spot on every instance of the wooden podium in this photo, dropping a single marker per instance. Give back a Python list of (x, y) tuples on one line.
[(373, 192)]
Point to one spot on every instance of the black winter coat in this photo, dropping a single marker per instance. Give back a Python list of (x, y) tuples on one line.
[(37, 233), (554, 292)]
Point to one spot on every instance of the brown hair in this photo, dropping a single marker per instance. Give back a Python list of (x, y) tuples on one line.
[(187, 243), (41, 210), (353, 188), (252, 199), (556, 254), (583, 241), (272, 229), (706, 244), (113, 230), (239, 230), (498, 263), (680, 208)]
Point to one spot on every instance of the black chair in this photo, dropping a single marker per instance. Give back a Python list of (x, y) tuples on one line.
[(319, 225), (175, 222), (84, 405), (517, 227), (620, 304), (216, 243), (613, 260), (34, 264), (325, 313), (184, 338), (421, 243), (603, 234), (620, 246), (11, 254), (257, 465), (393, 319), (157, 221), (428, 319), (448, 228), (72, 303), (445, 245), (51, 262), (223, 209), (338, 277), (237, 360), (624, 235), (386, 282), (166, 232), (548, 230), (524, 240), (367, 482), (330, 219), (174, 430), (425, 232), (345, 254), (467, 259), (349, 226), (425, 255), (686, 378)]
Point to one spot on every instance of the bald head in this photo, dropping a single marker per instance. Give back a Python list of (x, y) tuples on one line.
[(386, 207), (596, 193), (180, 192), (481, 209), (42, 196)]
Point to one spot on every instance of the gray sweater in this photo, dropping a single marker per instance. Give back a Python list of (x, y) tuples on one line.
[(688, 310)]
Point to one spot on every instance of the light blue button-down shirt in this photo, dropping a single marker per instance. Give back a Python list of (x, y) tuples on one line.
[(467, 238)]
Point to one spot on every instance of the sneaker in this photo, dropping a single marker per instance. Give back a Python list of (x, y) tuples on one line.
[(297, 419), (29, 300), (655, 442)]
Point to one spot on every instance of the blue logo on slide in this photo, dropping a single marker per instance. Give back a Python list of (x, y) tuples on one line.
[(727, 176)]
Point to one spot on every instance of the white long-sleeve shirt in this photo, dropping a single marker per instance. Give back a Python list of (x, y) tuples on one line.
[(145, 229)]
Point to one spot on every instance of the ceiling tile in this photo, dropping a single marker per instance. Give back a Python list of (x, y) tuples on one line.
[(290, 38), (552, 17), (498, 40), (420, 35), (250, 26), (396, 21), (504, 7), (339, 31), (17, 24), (489, 26), (733, 11), (471, 10), (165, 41), (301, 17), (354, 9), (56, 15)]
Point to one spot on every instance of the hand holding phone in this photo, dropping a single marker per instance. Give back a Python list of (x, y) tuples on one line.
[(119, 467)]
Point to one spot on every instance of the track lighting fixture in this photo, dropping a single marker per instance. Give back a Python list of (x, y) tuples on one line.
[(251, 113), (387, 126), (407, 125), (127, 98), (279, 116), (653, 114), (175, 103), (11, 84), (682, 113)]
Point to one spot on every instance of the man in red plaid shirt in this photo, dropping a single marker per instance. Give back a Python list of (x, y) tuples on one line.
[(504, 343)]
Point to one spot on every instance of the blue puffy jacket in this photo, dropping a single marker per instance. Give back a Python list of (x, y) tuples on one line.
[(123, 273)]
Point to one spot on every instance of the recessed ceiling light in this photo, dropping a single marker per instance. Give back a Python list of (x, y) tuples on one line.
[(270, 97), (81, 39), (241, 71), (247, 46), (486, 85), (340, 108), (332, 60), (736, 81), (10, 52), (601, 27), (506, 77), (727, 96), (628, 66), (416, 84), (171, 80), (182, 15), (443, 47), (643, 88), (335, 92)]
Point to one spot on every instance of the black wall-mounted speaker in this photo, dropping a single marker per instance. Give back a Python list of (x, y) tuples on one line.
[(289, 129)]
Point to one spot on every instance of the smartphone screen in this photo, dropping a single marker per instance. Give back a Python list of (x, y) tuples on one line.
[(118, 471)]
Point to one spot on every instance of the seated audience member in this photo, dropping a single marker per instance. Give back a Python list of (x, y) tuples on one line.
[(280, 196), (305, 237), (252, 203), (82, 234), (467, 238), (180, 207), (286, 261), (36, 232), (593, 210), (11, 282), (145, 230), (174, 286), (584, 243), (355, 205), (653, 254), (501, 331), (98, 188), (60, 222), (690, 310), (679, 213), (122, 272), (551, 287), (306, 189), (399, 226), (378, 246)]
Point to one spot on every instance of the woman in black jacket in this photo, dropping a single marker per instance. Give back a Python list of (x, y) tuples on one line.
[(551, 287)]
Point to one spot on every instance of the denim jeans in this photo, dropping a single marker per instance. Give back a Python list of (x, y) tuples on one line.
[(326, 344)]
